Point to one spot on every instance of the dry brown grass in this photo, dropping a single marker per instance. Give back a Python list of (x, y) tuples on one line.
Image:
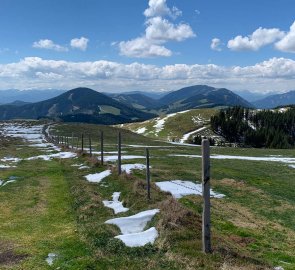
[(174, 215)]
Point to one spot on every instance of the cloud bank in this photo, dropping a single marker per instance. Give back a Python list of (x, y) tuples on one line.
[(33, 72)]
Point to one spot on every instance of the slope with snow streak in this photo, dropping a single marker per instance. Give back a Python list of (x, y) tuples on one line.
[(187, 135)]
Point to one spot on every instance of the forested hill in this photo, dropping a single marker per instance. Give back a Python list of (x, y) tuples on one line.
[(266, 128)]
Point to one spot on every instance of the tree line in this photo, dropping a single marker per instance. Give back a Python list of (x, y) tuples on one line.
[(256, 128)]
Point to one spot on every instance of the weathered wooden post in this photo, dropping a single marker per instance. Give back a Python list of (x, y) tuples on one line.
[(119, 153), (206, 223), (82, 142), (77, 148), (90, 146), (148, 178), (101, 147), (72, 142)]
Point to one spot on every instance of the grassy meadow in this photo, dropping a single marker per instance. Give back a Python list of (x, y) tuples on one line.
[(51, 208)]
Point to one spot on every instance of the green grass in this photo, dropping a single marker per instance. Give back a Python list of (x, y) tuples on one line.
[(172, 129), (52, 208)]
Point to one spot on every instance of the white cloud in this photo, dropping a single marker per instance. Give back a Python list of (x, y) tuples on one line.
[(49, 45), (80, 43), (34, 72), (161, 30), (160, 8), (259, 38), (287, 43), (142, 48), (158, 32), (215, 44)]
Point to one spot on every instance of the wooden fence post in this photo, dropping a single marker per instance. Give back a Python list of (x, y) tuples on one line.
[(206, 223), (101, 147), (77, 148), (82, 142), (90, 146), (119, 153), (72, 140), (148, 179)]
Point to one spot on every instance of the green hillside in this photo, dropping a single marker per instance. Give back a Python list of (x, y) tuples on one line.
[(174, 127), (77, 105), (201, 96)]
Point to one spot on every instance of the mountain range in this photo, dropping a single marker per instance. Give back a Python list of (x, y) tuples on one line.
[(12, 95), (87, 105), (77, 105), (274, 101)]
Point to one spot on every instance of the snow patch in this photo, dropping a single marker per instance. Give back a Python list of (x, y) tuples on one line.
[(84, 167), (6, 166), (115, 204), (288, 160), (7, 182), (139, 239), (115, 158), (97, 177), (140, 130), (50, 258), (135, 223), (61, 155), (180, 188), (129, 167), (187, 135)]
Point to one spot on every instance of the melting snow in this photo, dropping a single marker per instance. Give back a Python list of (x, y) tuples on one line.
[(61, 155), (97, 177), (6, 166), (7, 182), (187, 135), (51, 257), (135, 223), (159, 125), (115, 204), (269, 158), (140, 130), (132, 228), (180, 188), (139, 239), (10, 159), (148, 146), (128, 167), (84, 167), (115, 158)]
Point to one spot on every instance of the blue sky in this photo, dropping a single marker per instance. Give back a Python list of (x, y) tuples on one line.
[(155, 45)]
